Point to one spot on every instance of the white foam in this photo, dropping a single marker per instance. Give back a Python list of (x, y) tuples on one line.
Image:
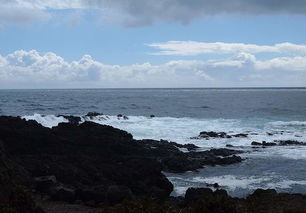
[(47, 121), (181, 130), (285, 184), (288, 123), (233, 182)]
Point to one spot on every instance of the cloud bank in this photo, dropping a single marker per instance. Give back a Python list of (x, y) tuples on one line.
[(31, 69), (140, 12), (193, 48)]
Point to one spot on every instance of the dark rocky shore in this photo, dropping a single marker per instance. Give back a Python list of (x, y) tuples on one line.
[(98, 168)]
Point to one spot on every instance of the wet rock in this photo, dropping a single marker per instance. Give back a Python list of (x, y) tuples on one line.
[(264, 144), (93, 114), (213, 135), (125, 118), (290, 142), (241, 135), (152, 116), (254, 143), (268, 143), (72, 119)]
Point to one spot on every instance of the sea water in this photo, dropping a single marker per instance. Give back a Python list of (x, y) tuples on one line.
[(183, 113)]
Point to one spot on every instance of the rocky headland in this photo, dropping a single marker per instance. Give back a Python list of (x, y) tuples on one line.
[(98, 168)]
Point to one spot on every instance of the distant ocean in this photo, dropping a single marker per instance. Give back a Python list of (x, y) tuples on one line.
[(184, 113)]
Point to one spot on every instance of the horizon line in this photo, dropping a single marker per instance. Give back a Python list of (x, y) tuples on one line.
[(133, 88)]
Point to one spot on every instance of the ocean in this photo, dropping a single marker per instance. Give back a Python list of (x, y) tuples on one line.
[(265, 114)]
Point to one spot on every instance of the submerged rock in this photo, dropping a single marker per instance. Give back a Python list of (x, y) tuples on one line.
[(290, 142), (264, 143), (213, 134), (279, 143), (93, 114)]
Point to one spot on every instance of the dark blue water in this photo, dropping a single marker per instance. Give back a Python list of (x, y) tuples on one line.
[(278, 104)]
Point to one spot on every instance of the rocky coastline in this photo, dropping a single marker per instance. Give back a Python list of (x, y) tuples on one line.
[(97, 168)]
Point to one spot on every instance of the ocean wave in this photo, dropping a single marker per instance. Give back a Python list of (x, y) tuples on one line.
[(288, 123), (234, 183), (181, 130), (46, 120)]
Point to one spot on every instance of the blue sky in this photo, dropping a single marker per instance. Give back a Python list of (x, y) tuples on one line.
[(120, 54)]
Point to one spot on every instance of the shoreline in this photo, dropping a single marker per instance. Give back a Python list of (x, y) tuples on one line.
[(100, 166)]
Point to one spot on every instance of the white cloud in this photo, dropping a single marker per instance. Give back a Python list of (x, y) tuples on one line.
[(192, 48), (31, 69), (297, 63)]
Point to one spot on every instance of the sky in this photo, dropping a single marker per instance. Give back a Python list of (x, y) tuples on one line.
[(152, 44)]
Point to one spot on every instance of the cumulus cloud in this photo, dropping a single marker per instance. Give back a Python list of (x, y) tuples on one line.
[(30, 69), (140, 12), (192, 48)]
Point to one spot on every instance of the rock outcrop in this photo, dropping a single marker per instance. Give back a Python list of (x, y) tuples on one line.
[(95, 163)]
